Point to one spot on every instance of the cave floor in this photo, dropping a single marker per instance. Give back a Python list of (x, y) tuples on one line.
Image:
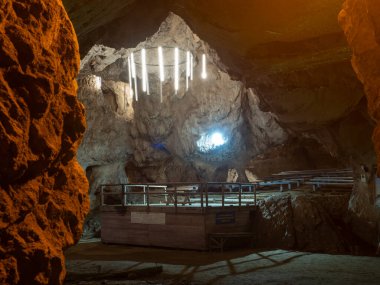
[(230, 267)]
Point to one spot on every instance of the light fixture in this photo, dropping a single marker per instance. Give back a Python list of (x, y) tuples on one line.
[(176, 70), (211, 141), (144, 72), (134, 75), (217, 139), (98, 82), (204, 74), (169, 63), (187, 69)]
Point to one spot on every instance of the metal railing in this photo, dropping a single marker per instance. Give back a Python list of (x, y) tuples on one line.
[(206, 194)]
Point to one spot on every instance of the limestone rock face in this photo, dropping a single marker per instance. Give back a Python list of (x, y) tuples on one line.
[(293, 53), (42, 187), (305, 222), (296, 63), (167, 141)]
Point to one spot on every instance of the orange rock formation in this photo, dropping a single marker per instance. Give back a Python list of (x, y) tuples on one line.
[(43, 189), (360, 21)]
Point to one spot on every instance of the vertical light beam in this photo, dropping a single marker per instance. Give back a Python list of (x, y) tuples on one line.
[(134, 75), (133, 66), (176, 70), (130, 77), (161, 64), (204, 73), (187, 69), (98, 82), (191, 66), (143, 69)]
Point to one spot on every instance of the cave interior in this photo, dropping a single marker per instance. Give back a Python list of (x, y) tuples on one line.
[(189, 133)]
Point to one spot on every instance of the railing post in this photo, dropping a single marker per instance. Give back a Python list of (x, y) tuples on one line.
[(175, 198), (147, 196), (144, 195), (254, 189), (239, 195), (222, 196), (102, 195), (124, 187), (206, 194), (201, 196)]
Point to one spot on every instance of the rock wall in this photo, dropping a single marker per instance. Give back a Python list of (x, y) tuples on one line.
[(43, 189), (159, 141), (360, 21), (306, 222)]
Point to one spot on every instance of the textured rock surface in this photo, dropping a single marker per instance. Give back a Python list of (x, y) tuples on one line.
[(360, 21), (306, 222), (157, 140), (297, 63), (43, 189)]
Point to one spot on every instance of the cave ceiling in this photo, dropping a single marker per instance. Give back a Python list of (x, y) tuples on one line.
[(292, 52)]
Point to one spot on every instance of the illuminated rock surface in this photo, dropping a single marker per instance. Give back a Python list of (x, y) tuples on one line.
[(163, 141), (42, 187), (360, 21)]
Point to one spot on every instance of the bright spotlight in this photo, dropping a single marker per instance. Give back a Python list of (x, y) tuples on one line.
[(209, 142), (217, 139)]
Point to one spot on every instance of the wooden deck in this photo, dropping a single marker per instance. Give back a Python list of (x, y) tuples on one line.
[(197, 215)]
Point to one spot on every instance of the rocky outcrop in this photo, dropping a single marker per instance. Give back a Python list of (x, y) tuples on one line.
[(297, 63), (165, 141), (306, 222), (43, 189), (360, 21)]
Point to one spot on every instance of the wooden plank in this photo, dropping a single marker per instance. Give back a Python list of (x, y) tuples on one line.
[(177, 236), (185, 219)]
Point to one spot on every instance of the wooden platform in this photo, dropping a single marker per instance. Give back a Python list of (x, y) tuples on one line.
[(181, 227)]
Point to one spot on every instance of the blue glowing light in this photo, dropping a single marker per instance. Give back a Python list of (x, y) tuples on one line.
[(209, 142)]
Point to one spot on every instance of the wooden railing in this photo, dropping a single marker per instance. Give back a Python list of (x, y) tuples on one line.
[(175, 194)]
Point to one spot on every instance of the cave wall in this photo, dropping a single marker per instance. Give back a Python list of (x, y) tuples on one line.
[(157, 142), (43, 189), (297, 63), (360, 21)]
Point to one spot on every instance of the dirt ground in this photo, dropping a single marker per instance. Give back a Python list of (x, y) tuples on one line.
[(88, 263)]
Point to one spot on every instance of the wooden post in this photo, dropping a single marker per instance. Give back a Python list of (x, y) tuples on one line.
[(254, 189)]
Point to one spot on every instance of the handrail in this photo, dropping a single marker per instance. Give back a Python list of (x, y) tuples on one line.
[(202, 191)]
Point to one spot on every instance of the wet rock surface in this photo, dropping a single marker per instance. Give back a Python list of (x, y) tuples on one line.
[(43, 189)]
